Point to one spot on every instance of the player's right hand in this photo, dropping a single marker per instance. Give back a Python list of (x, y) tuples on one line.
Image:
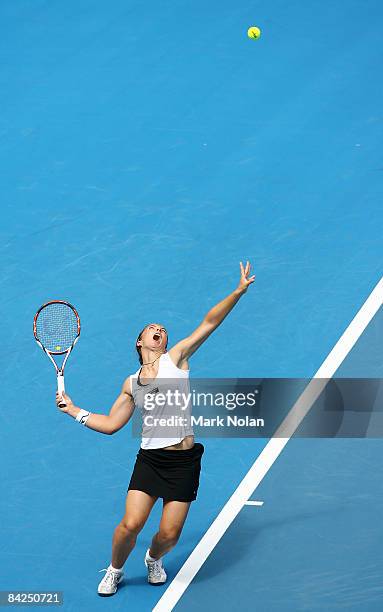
[(63, 397)]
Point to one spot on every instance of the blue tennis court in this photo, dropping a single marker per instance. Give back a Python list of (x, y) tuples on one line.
[(147, 149)]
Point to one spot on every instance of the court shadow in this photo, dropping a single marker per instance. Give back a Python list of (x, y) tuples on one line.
[(130, 580), (240, 539)]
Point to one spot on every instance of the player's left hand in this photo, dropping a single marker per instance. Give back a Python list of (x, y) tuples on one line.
[(245, 280)]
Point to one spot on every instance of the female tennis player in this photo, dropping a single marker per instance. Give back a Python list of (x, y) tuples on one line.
[(168, 463)]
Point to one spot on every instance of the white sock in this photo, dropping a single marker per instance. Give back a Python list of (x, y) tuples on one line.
[(149, 558), (114, 569)]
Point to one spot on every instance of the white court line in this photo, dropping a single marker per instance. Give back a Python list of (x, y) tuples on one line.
[(270, 453), (253, 503)]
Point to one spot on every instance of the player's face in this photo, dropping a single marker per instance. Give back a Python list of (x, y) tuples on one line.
[(154, 337)]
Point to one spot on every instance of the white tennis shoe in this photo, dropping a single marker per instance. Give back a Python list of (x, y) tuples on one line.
[(109, 583), (156, 572)]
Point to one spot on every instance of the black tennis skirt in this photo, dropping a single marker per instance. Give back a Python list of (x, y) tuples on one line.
[(170, 474)]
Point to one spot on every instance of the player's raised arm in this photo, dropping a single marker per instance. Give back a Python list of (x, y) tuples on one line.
[(181, 352), (118, 416)]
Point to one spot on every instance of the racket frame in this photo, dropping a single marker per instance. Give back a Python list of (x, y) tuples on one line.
[(59, 370)]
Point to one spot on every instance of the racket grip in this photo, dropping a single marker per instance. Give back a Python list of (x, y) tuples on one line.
[(61, 388)]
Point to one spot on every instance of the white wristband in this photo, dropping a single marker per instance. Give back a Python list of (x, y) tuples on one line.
[(83, 416)]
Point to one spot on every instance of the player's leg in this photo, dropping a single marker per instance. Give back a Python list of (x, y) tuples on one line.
[(137, 510), (173, 517)]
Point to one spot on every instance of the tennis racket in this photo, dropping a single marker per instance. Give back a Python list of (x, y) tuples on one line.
[(56, 327)]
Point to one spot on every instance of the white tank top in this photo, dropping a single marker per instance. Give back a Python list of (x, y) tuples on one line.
[(152, 433)]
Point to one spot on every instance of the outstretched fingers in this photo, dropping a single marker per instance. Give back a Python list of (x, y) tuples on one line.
[(245, 271)]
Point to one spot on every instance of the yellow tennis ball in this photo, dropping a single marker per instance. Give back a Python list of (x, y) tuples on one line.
[(254, 32), (58, 348)]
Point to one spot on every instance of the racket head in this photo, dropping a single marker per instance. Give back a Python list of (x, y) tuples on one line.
[(56, 326)]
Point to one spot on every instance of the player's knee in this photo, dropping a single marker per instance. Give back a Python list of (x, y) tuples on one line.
[(131, 526), (169, 535)]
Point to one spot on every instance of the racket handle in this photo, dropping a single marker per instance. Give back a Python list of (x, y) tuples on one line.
[(61, 388)]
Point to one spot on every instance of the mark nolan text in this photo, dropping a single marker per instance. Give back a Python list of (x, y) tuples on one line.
[(229, 421)]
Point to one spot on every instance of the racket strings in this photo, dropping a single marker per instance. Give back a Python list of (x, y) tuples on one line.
[(57, 327)]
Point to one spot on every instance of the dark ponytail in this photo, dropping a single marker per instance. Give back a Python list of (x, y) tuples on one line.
[(138, 348)]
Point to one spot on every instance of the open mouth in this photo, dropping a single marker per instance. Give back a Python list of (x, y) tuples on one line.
[(156, 337)]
